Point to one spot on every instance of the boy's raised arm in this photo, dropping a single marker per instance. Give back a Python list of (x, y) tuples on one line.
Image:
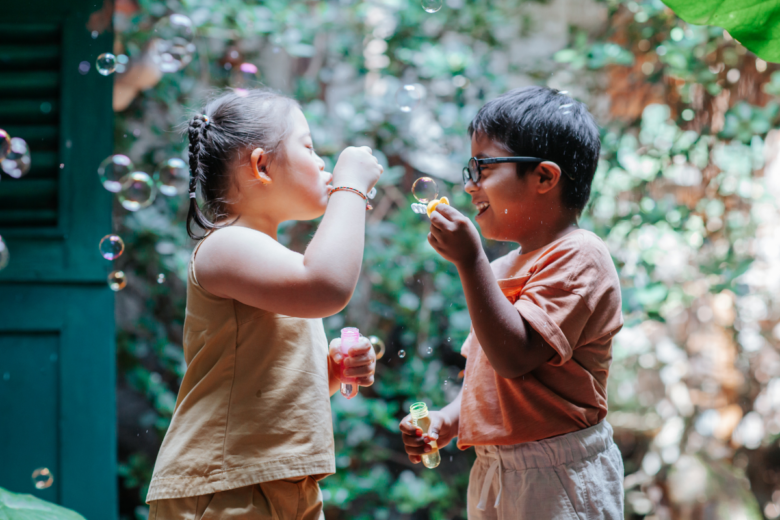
[(511, 345)]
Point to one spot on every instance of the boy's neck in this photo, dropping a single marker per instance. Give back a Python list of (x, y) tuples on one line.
[(547, 232)]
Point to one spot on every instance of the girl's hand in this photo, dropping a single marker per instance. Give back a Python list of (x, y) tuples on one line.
[(416, 442), (357, 168), (358, 366), (454, 236)]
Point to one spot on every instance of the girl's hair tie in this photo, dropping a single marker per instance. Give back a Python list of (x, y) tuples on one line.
[(193, 195)]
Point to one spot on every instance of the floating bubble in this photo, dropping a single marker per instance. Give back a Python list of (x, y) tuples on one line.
[(173, 46), (84, 67), (137, 192), (42, 478), (106, 64), (117, 280), (248, 74), (431, 6), (161, 278), (379, 346), (401, 354), (112, 169), (5, 256), (172, 177), (5, 144), (112, 247), (409, 96), (17, 161), (425, 190)]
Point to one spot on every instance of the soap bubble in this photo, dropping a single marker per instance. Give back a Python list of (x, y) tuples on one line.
[(431, 6), (173, 46), (409, 96), (112, 247), (379, 346), (17, 161), (5, 144), (248, 74), (112, 169), (137, 192), (425, 190), (106, 63), (5, 256), (117, 280), (173, 177), (42, 478), (401, 354), (161, 278)]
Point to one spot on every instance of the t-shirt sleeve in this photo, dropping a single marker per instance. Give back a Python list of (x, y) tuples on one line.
[(558, 299), (557, 315)]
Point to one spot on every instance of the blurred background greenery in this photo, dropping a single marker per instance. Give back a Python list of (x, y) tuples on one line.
[(684, 197)]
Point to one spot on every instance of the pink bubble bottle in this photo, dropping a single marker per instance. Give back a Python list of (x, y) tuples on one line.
[(350, 337)]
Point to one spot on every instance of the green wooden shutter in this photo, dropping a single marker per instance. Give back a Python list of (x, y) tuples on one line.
[(57, 347)]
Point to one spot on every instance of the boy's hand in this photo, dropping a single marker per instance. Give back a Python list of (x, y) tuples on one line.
[(360, 365), (454, 236), (416, 443)]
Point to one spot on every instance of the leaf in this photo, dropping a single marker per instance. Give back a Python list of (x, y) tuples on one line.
[(15, 506), (753, 23)]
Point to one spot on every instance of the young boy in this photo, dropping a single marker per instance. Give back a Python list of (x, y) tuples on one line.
[(543, 317)]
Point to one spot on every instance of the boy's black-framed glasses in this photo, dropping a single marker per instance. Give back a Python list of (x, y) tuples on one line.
[(473, 171)]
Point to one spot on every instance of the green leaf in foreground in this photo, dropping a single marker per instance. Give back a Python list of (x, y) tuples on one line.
[(14, 506), (753, 23)]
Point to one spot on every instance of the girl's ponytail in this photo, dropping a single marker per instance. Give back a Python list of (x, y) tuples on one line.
[(197, 134)]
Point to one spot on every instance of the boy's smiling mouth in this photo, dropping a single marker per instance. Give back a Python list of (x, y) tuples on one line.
[(481, 207)]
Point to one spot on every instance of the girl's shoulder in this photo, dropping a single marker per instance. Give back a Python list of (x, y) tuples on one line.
[(227, 252)]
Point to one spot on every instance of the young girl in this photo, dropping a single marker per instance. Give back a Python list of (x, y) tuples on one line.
[(251, 434)]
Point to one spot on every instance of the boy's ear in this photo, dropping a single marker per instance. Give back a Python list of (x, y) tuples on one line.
[(259, 163), (549, 176)]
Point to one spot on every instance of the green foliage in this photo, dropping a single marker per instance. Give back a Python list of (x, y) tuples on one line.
[(753, 23), (16, 506)]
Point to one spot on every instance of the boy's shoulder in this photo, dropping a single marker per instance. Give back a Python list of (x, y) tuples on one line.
[(578, 252)]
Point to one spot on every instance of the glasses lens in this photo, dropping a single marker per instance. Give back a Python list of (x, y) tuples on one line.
[(474, 170)]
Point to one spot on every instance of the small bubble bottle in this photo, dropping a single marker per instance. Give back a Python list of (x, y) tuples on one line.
[(350, 337), (420, 419)]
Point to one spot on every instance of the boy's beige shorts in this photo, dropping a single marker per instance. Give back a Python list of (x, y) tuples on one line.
[(576, 476), (290, 499)]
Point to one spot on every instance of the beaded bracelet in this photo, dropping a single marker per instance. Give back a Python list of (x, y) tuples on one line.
[(332, 190)]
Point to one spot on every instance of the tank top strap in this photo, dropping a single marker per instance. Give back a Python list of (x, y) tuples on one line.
[(192, 259)]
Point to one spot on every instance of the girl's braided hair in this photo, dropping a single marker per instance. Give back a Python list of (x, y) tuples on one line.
[(223, 136)]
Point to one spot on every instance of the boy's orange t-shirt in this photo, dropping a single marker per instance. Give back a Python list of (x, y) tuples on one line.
[(569, 292)]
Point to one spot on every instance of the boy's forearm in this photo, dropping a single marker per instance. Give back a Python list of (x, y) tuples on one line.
[(452, 411), (500, 329)]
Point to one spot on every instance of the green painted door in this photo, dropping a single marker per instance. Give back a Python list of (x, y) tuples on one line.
[(57, 353)]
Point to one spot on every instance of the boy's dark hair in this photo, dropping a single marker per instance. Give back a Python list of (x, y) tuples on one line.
[(230, 127), (542, 122)]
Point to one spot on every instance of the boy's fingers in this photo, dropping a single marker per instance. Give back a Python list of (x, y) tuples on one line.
[(415, 459)]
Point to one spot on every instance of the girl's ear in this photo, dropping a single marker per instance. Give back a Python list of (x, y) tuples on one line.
[(549, 176), (259, 162)]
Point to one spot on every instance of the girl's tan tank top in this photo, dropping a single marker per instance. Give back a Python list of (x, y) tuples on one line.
[(254, 404)]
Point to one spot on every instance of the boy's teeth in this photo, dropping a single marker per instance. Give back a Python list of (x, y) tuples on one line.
[(482, 206)]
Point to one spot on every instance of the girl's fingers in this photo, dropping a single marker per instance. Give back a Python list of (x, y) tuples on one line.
[(365, 381), (358, 361), (415, 459), (361, 371)]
